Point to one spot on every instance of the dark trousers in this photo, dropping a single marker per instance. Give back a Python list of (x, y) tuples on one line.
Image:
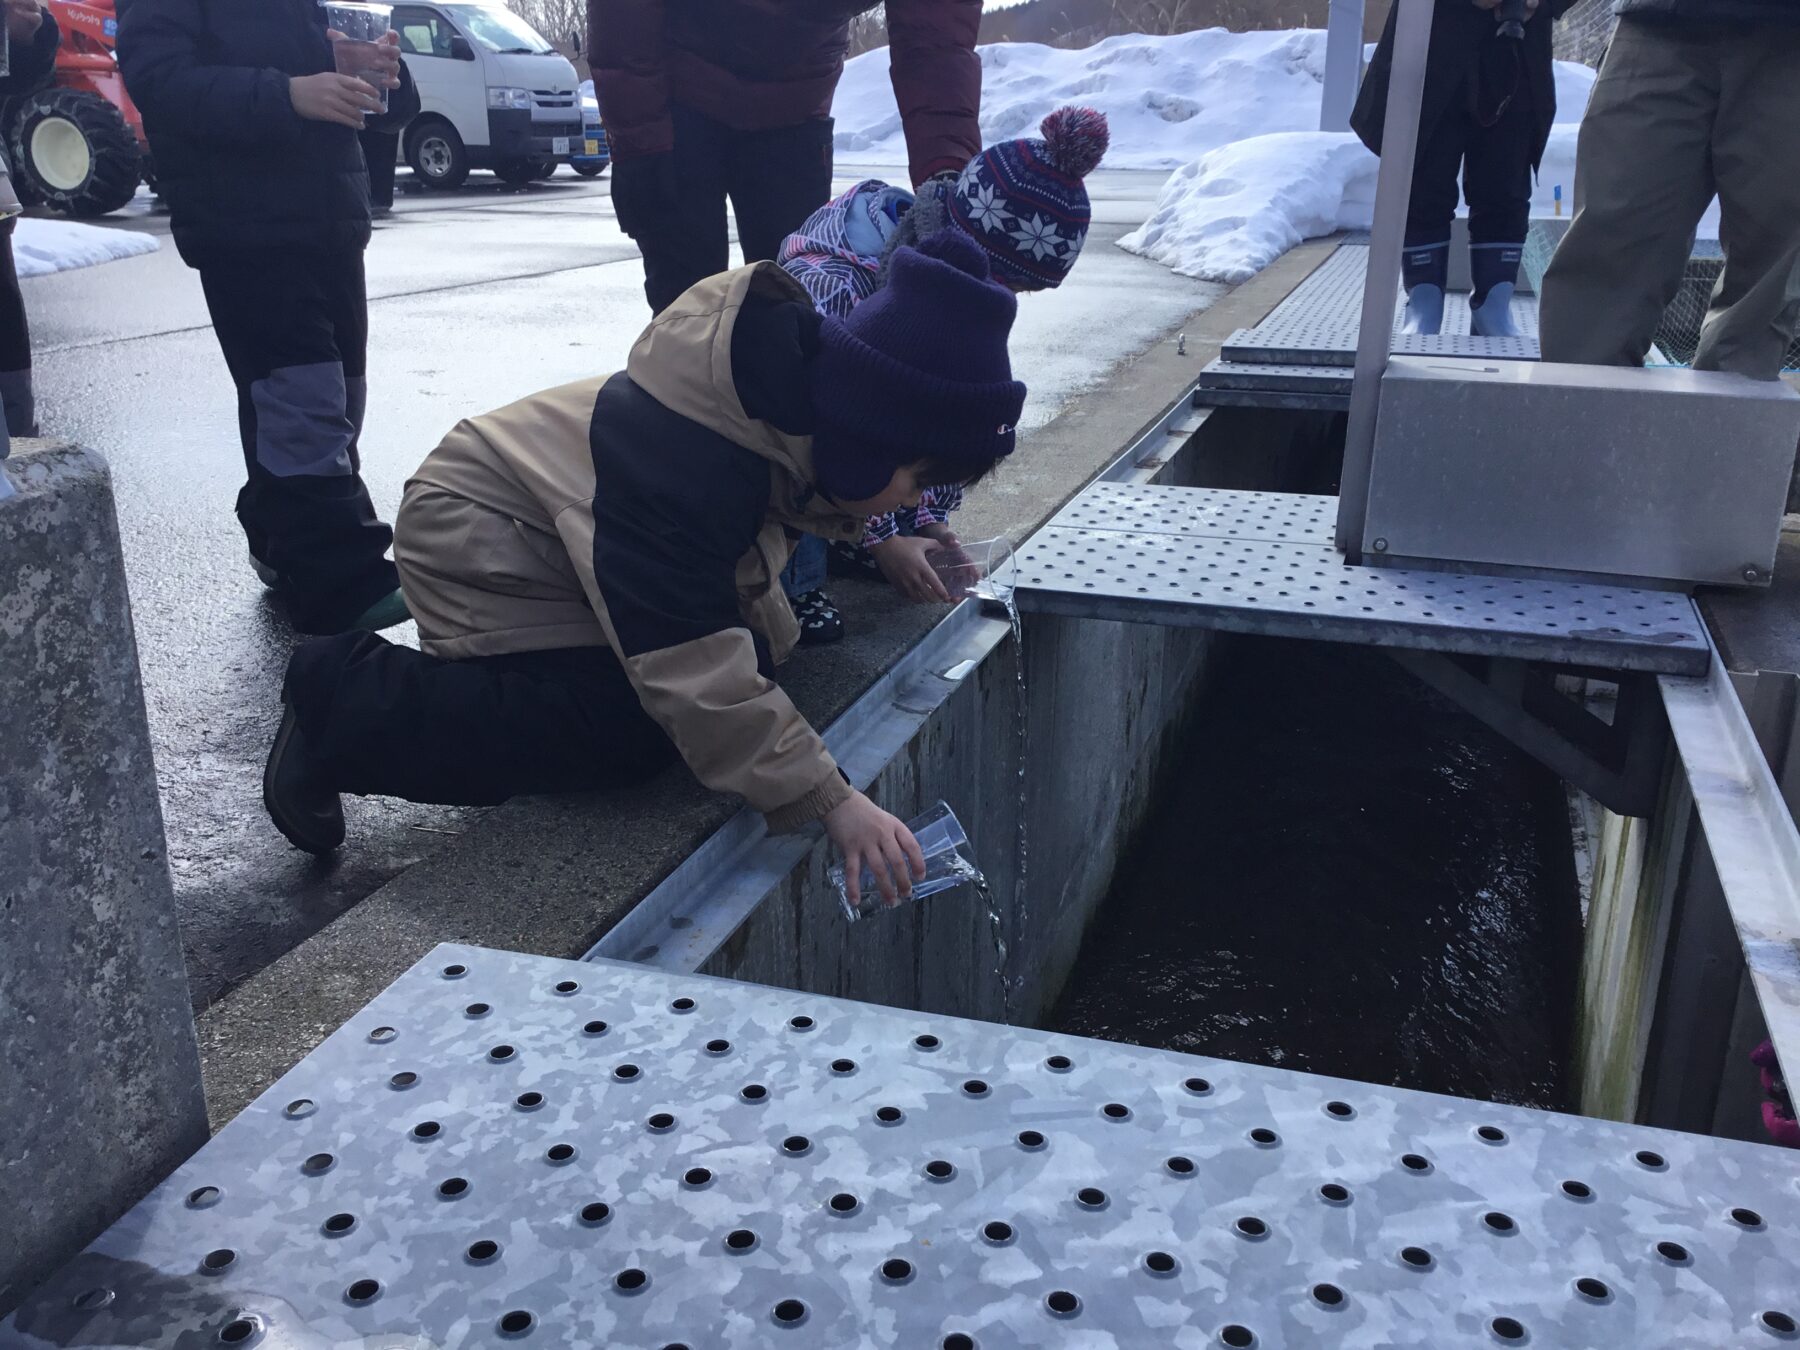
[(381, 149), (388, 721), (1495, 164), (773, 179), (294, 328)]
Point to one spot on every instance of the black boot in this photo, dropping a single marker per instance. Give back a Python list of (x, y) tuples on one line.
[(310, 814), (1424, 271), (1493, 273)]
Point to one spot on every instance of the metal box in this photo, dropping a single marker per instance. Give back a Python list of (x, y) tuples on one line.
[(1664, 474)]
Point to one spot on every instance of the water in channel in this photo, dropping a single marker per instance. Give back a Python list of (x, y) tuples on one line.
[(1345, 874)]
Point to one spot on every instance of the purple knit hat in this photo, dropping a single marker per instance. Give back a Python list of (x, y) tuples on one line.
[(917, 371), (1023, 201)]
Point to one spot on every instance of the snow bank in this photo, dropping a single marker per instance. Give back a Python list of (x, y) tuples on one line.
[(41, 247), (1169, 99), (1234, 210)]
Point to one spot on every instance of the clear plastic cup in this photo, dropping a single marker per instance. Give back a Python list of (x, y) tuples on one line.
[(947, 864), (984, 568), (363, 25)]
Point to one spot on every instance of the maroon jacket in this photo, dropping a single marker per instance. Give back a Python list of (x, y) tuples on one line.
[(758, 64)]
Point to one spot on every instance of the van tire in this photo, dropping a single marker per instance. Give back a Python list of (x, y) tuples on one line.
[(436, 154), (519, 172), (588, 169)]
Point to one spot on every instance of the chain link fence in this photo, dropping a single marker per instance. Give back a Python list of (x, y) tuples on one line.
[(1583, 34)]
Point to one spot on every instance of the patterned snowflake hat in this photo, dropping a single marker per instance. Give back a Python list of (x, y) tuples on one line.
[(1023, 200)]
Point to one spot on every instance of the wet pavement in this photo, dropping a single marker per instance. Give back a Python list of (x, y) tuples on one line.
[(478, 297)]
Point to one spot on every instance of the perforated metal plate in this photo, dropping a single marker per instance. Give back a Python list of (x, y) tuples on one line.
[(1318, 323), (1261, 385), (898, 1180), (1161, 555)]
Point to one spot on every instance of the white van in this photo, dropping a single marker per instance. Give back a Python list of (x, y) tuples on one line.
[(493, 94)]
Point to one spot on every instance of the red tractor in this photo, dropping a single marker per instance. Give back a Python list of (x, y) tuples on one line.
[(78, 145)]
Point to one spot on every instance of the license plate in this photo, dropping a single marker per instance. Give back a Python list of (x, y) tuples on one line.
[(559, 145), (590, 147)]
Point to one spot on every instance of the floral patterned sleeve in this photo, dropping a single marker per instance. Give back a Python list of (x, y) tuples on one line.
[(936, 504), (879, 529)]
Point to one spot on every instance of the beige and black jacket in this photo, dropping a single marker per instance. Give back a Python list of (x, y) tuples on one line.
[(649, 512)]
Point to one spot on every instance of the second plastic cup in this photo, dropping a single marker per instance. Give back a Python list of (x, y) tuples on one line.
[(984, 568)]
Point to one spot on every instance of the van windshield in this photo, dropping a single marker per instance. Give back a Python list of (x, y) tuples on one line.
[(498, 29)]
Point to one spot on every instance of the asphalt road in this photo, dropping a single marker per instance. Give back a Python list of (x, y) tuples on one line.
[(477, 298)]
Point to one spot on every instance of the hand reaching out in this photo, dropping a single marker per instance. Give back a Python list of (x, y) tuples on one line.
[(906, 563), (870, 837)]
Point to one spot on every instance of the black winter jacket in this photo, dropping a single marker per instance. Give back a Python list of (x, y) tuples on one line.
[(1712, 11), (1469, 65), (30, 66), (241, 170)]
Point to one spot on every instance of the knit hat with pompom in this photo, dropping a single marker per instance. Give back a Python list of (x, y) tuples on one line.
[(1023, 201)]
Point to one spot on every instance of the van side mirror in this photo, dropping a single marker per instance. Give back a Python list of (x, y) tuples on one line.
[(460, 50)]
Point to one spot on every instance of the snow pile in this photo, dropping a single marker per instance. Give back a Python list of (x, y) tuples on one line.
[(1169, 99), (1233, 211), (41, 247)]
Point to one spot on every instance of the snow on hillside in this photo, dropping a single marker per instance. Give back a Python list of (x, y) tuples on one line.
[(41, 247), (1169, 99)]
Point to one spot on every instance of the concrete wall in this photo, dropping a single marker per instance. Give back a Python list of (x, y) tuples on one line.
[(99, 1073)]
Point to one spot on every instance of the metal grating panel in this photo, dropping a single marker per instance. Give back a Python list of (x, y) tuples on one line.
[(1264, 385), (1033, 1189), (1162, 557), (1318, 323)]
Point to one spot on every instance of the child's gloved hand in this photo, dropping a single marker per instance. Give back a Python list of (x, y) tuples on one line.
[(869, 837), (906, 563)]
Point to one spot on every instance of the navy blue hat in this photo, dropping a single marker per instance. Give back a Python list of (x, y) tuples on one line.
[(917, 371)]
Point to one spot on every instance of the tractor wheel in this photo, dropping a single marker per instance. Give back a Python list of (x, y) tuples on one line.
[(73, 150)]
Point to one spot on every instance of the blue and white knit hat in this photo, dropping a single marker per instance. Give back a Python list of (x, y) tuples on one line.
[(1023, 201)]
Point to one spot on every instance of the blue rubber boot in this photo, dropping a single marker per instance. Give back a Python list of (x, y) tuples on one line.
[(1493, 273), (1424, 270)]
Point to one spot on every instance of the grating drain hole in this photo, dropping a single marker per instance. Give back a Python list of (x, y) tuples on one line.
[(566, 986), (404, 1079), (1651, 1159), (1577, 1190), (1198, 1086), (1059, 1063), (957, 1340), (790, 1312), (896, 1270), (1090, 1197), (630, 1280), (890, 1115), (754, 1092), (1417, 1257), (1341, 1110), (1116, 1111), (501, 1053), (455, 972), (1493, 1134), (516, 1323), (1508, 1328), (217, 1259), (843, 1203), (696, 1177), (478, 1010), (1160, 1263), (483, 1251), (300, 1106), (740, 1239), (843, 1066), (1498, 1222), (939, 1170), (1778, 1322), (451, 1187), (1328, 1295), (1030, 1139), (795, 1144), (1414, 1162), (427, 1129), (719, 1046), (1180, 1166), (801, 1023), (202, 1196), (594, 1028), (529, 1101), (560, 1153), (975, 1088), (997, 1231), (1333, 1193), (596, 1212), (626, 1072), (661, 1122), (1237, 1337), (1672, 1252), (1062, 1303), (1747, 1218), (363, 1291), (1265, 1137), (1251, 1226), (238, 1330), (681, 1005), (926, 1041), (382, 1035), (317, 1163), (1590, 1288), (338, 1224)]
